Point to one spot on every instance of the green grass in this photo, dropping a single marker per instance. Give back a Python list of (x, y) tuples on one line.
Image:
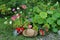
[(6, 33)]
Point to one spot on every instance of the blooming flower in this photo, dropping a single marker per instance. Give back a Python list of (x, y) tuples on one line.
[(13, 18), (10, 22), (13, 9), (18, 8), (23, 6), (29, 26), (18, 16)]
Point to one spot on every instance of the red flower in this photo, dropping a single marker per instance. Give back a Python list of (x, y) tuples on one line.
[(42, 32), (23, 6)]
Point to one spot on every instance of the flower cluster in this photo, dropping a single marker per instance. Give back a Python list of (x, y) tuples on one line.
[(14, 17)]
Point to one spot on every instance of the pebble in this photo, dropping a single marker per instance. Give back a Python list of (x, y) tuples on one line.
[(59, 32)]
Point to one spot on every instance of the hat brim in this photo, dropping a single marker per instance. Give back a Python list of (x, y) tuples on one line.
[(25, 34)]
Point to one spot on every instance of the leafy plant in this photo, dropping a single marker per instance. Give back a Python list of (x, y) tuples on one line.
[(46, 26), (50, 20), (55, 30), (35, 27), (18, 23), (58, 22), (43, 15), (38, 11)]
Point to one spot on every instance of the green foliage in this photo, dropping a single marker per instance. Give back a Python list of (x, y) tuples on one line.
[(37, 19), (43, 14), (58, 22), (3, 8), (39, 14), (38, 11), (46, 26), (50, 12), (18, 22), (50, 20), (55, 30), (35, 27), (26, 23)]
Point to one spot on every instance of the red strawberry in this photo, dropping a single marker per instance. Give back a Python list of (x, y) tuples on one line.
[(42, 32), (20, 30)]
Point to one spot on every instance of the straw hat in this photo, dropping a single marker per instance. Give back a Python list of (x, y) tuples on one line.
[(30, 33)]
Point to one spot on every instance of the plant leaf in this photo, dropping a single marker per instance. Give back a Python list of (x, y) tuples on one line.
[(55, 30), (43, 14), (50, 20), (46, 26), (58, 22)]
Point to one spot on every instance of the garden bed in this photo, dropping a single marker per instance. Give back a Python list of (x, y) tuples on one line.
[(30, 20)]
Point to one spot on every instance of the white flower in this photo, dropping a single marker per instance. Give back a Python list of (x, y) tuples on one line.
[(10, 22), (18, 8), (5, 22), (18, 16)]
